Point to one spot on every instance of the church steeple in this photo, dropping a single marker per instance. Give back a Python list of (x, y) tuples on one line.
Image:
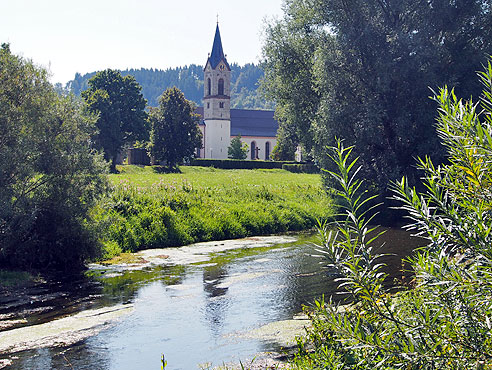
[(217, 101), (217, 83), (217, 54)]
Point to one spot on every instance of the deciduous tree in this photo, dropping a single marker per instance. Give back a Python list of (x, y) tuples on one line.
[(49, 176), (443, 320), (237, 149), (175, 134), (120, 107), (361, 71)]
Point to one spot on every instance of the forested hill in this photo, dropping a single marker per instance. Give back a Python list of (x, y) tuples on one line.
[(189, 79)]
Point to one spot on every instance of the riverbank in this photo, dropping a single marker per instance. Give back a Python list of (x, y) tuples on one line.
[(148, 209)]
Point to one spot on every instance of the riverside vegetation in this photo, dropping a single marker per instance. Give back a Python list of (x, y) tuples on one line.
[(443, 321), (147, 209)]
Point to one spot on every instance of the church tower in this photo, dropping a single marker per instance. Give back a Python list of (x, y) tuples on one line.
[(217, 102)]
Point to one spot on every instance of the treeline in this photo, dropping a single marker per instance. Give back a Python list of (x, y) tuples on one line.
[(189, 79)]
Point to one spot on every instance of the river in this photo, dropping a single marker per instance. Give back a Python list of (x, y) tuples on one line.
[(200, 306)]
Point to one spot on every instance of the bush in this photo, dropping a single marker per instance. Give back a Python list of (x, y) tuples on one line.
[(237, 149), (444, 321)]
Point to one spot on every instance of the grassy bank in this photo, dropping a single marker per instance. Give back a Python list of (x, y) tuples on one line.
[(150, 210)]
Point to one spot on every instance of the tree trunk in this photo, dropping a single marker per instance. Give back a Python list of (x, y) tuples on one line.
[(112, 168)]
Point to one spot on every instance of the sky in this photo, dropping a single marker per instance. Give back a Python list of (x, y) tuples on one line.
[(68, 36)]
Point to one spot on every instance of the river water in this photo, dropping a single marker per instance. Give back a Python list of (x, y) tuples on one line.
[(201, 307)]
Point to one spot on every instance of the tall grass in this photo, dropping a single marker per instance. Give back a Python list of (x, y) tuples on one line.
[(152, 210)]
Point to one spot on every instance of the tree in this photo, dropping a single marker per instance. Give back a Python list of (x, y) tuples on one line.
[(120, 107), (49, 176), (361, 72), (288, 56), (175, 134), (285, 149), (237, 149)]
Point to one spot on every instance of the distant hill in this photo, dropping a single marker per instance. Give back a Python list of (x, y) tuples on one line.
[(189, 79)]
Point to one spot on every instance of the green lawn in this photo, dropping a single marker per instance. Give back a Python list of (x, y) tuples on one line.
[(212, 177), (150, 210)]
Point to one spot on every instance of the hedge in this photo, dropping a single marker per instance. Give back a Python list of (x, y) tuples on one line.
[(229, 164), (300, 167)]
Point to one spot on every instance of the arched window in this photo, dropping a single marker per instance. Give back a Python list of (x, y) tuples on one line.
[(209, 86), (221, 86), (267, 150), (253, 150)]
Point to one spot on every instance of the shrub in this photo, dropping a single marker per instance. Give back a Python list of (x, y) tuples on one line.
[(237, 149)]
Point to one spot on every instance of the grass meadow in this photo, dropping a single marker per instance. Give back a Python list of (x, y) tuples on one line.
[(148, 209)]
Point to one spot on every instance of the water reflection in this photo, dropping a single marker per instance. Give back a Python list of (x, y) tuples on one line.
[(216, 303), (213, 276), (44, 302), (123, 286)]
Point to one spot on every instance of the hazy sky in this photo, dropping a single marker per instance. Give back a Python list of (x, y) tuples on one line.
[(84, 36)]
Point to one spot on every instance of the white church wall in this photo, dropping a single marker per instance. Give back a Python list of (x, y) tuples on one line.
[(217, 138), (260, 142)]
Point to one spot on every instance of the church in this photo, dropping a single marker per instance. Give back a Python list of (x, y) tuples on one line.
[(219, 123)]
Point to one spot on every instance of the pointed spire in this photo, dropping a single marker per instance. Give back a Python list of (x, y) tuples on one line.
[(217, 52)]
